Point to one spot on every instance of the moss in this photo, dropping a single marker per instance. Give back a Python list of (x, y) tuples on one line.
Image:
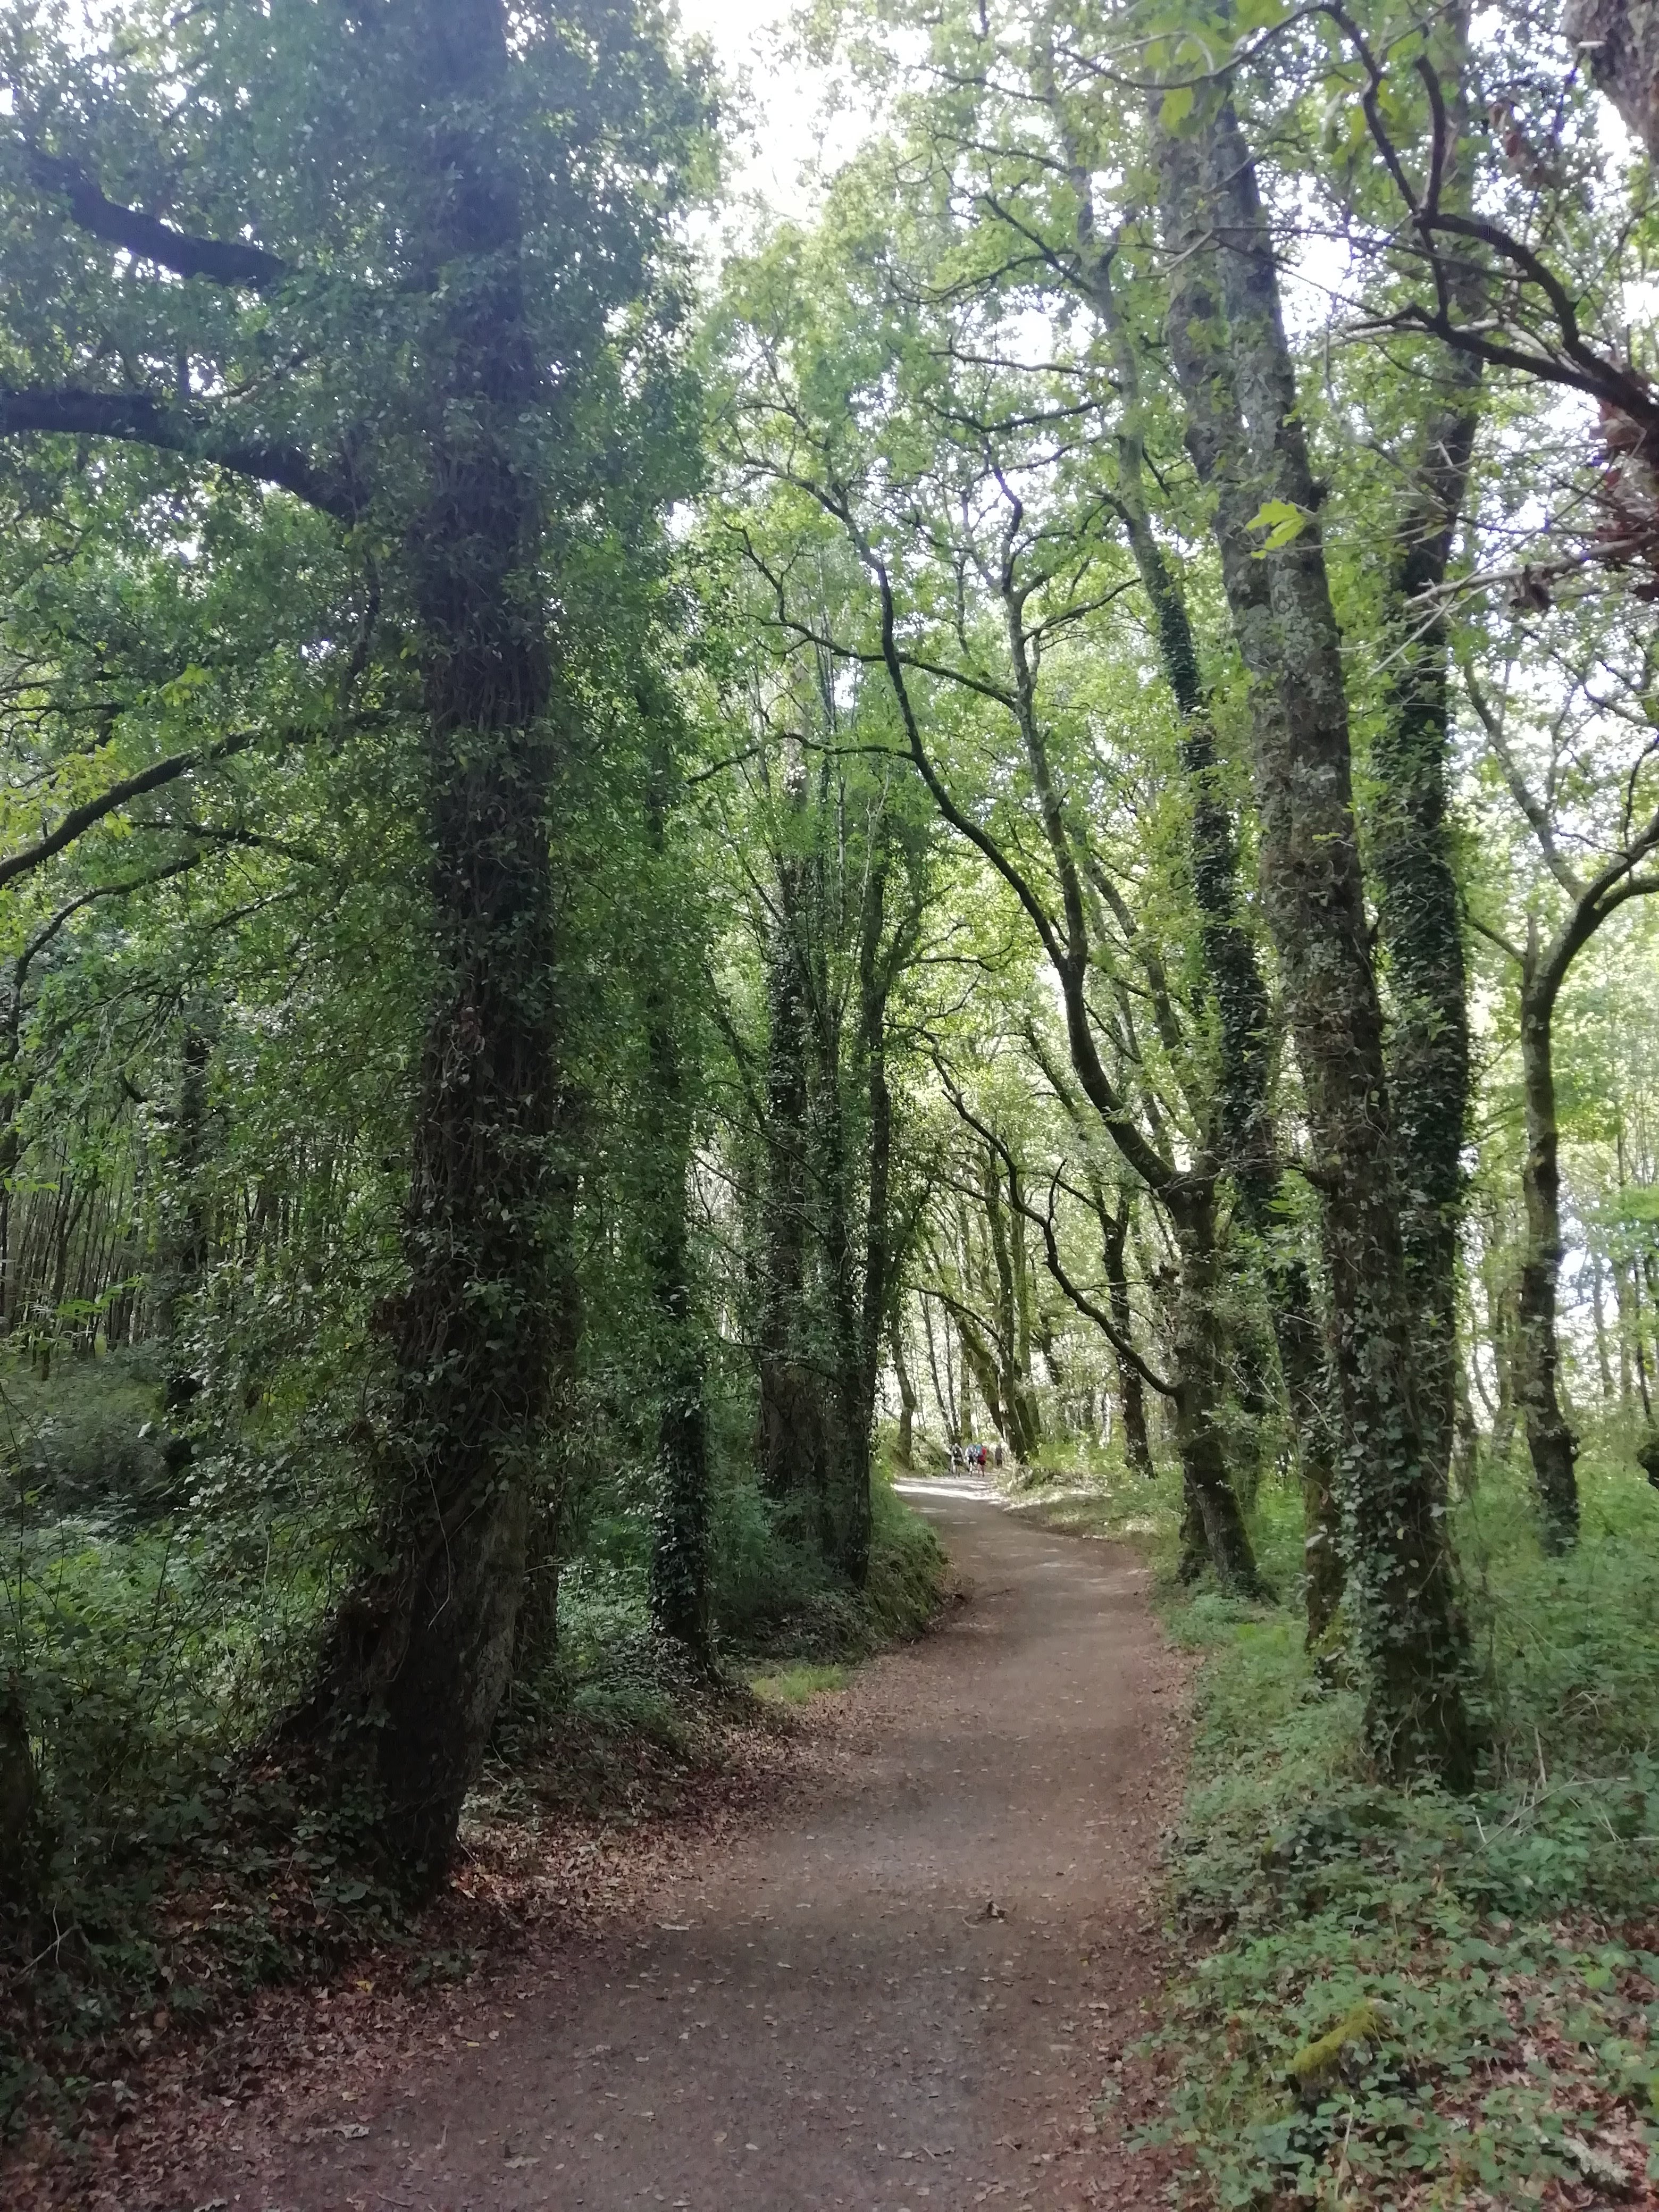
[(1315, 2064)]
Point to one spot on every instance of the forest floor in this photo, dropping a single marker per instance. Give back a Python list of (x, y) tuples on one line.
[(907, 1968)]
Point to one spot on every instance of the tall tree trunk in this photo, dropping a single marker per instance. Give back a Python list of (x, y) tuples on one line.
[(904, 1451), (1598, 1315), (419, 1653), (1023, 1426), (679, 1553), (1245, 1137), (1239, 385), (791, 1442), (845, 1510), (944, 1386), (1130, 1390), (1418, 909), (1198, 1362), (183, 1240), (1623, 1299), (1550, 1439)]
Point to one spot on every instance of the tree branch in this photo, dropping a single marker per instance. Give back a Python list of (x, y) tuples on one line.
[(91, 811), (137, 418), (221, 261)]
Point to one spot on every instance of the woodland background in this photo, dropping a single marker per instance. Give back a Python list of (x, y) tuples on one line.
[(653, 860)]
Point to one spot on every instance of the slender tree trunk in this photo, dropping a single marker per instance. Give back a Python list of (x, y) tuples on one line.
[(1024, 1428), (1200, 1353), (1599, 1313), (1550, 1439), (1306, 1369), (1239, 385), (1621, 1307), (183, 1240), (907, 1390), (791, 1442), (1130, 1390), (944, 1390), (679, 1554)]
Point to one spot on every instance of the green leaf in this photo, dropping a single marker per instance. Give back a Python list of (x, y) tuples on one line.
[(1177, 107), (1282, 521)]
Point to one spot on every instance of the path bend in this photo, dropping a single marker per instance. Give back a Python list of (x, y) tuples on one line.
[(909, 1989)]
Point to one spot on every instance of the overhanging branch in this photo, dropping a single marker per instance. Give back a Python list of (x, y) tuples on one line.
[(136, 418), (221, 260)]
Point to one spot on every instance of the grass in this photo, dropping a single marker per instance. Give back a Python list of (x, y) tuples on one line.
[(798, 1684), (1408, 1999)]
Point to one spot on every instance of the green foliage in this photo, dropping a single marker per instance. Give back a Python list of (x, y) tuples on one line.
[(774, 1594), (1400, 1987)]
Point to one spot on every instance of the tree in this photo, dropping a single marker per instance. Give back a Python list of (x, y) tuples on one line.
[(458, 221), (1557, 930)]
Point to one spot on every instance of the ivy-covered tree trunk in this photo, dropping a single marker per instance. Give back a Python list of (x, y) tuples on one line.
[(1019, 1406), (1245, 1137), (904, 1448), (790, 1447), (1419, 907), (679, 1553), (420, 1651), (1550, 1439), (844, 1498), (1199, 1359), (1238, 384)]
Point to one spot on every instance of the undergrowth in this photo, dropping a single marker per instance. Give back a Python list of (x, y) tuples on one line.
[(1411, 1999)]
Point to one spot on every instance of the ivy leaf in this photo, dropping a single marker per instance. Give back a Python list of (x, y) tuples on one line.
[(1282, 521), (1177, 107)]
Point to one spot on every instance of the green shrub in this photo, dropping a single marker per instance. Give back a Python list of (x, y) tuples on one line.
[(88, 1442)]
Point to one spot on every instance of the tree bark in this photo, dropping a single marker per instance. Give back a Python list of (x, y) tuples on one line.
[(1130, 1390), (791, 1442), (1419, 907), (1013, 1346), (1550, 1439), (1239, 385), (1245, 1136), (679, 1552), (418, 1654), (904, 1450)]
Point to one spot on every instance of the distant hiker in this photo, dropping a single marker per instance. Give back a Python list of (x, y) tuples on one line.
[(998, 1455)]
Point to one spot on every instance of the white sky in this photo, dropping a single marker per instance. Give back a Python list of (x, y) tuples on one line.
[(784, 135)]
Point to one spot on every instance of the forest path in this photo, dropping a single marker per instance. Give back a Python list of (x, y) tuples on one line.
[(827, 2015)]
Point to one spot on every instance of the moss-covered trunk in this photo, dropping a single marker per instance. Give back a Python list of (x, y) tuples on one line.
[(1238, 384), (418, 1654), (1550, 1440)]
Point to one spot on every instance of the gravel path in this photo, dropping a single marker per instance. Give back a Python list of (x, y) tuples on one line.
[(912, 1988)]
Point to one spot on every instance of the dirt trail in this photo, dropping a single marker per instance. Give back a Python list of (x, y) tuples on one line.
[(828, 2015)]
